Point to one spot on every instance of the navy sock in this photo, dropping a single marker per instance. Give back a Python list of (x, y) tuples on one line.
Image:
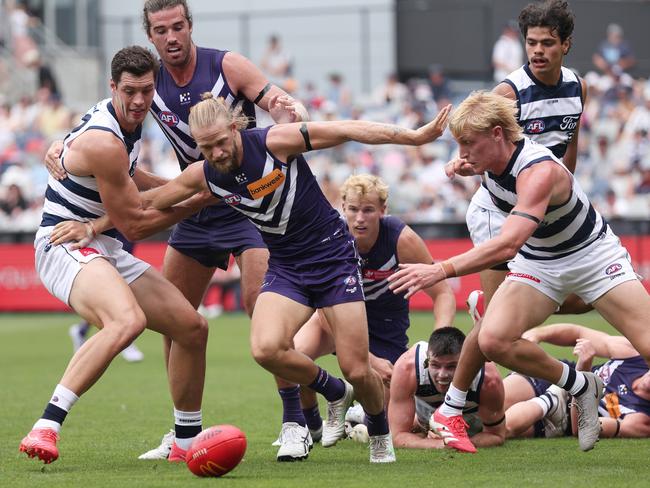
[(313, 418), (331, 387), (291, 411), (83, 329), (377, 424), (54, 413)]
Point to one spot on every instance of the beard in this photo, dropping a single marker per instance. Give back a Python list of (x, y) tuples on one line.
[(227, 166)]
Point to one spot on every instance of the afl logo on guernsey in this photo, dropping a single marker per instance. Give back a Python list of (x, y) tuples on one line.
[(535, 127), (232, 199), (168, 118)]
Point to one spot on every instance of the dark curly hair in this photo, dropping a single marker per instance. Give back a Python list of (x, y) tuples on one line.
[(554, 14), (136, 60), (445, 341)]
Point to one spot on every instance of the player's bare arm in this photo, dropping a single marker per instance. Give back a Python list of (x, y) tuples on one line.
[(190, 182), (632, 425), (286, 140), (401, 408), (101, 154), (571, 155), (412, 249), (491, 410), (247, 79)]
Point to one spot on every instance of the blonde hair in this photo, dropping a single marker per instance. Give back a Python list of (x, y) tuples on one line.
[(210, 111), (481, 111), (364, 184)]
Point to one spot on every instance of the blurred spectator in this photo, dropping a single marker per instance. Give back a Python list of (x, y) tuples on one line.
[(507, 53), (339, 94), (276, 63), (391, 92), (13, 201), (24, 48), (54, 120), (439, 85), (614, 53)]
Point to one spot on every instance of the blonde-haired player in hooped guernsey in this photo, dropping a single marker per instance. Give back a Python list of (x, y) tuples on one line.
[(558, 243)]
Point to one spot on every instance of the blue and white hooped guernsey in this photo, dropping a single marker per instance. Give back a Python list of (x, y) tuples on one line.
[(565, 228), (549, 115), (77, 197)]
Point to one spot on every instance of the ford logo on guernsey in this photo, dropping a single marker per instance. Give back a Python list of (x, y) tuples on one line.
[(232, 199), (613, 268), (168, 118), (535, 127)]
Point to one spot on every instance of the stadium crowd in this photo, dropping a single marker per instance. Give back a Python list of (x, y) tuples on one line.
[(614, 147)]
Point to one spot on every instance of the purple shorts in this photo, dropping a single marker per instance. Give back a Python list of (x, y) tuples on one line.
[(321, 284), (213, 234)]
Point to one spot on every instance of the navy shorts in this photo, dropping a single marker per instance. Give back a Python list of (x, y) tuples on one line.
[(213, 234), (321, 284)]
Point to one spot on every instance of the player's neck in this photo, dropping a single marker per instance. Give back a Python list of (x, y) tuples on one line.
[(182, 75), (549, 78), (364, 244)]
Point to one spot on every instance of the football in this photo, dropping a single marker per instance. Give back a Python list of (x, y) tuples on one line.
[(216, 451)]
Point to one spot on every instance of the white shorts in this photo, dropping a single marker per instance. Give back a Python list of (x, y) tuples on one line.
[(483, 223), (589, 273), (424, 411), (57, 266)]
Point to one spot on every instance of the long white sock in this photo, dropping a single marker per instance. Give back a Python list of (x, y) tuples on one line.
[(455, 400)]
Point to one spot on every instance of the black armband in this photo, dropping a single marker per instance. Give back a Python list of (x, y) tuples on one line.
[(495, 423), (305, 136), (526, 216), (262, 92), (618, 428)]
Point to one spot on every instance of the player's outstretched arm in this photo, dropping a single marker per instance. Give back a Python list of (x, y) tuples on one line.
[(401, 408), (286, 140), (189, 183)]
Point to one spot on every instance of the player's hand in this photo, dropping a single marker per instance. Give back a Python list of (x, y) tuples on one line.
[(411, 278), (53, 161), (434, 129), (585, 350), (458, 166), (79, 233), (283, 109)]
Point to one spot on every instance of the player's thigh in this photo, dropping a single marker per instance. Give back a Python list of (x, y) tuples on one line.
[(515, 308), (276, 320), (166, 309), (516, 389), (491, 279), (100, 295), (314, 338), (349, 326), (187, 274), (627, 308), (253, 263)]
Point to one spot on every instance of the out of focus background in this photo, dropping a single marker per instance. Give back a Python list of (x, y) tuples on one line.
[(387, 60)]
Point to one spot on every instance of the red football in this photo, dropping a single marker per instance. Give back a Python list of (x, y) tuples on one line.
[(216, 450)]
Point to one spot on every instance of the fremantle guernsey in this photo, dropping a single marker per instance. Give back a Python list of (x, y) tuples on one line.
[(549, 115), (620, 399), (387, 312), (283, 200), (565, 228), (77, 197), (171, 108)]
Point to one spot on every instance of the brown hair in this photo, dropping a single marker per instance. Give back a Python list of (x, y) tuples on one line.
[(153, 6)]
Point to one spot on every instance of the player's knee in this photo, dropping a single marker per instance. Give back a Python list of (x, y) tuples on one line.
[(196, 334), (492, 346), (357, 373), (266, 354), (126, 328)]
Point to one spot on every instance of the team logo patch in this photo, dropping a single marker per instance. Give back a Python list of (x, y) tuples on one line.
[(350, 281), (168, 118), (87, 251), (232, 199), (622, 390), (524, 276), (535, 126), (241, 178), (185, 98), (613, 268), (262, 187)]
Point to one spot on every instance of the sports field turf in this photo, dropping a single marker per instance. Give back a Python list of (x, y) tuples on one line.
[(129, 409)]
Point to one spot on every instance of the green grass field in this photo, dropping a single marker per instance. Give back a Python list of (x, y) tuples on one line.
[(129, 409)]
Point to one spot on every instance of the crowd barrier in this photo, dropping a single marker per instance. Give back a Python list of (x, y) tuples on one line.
[(22, 291)]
